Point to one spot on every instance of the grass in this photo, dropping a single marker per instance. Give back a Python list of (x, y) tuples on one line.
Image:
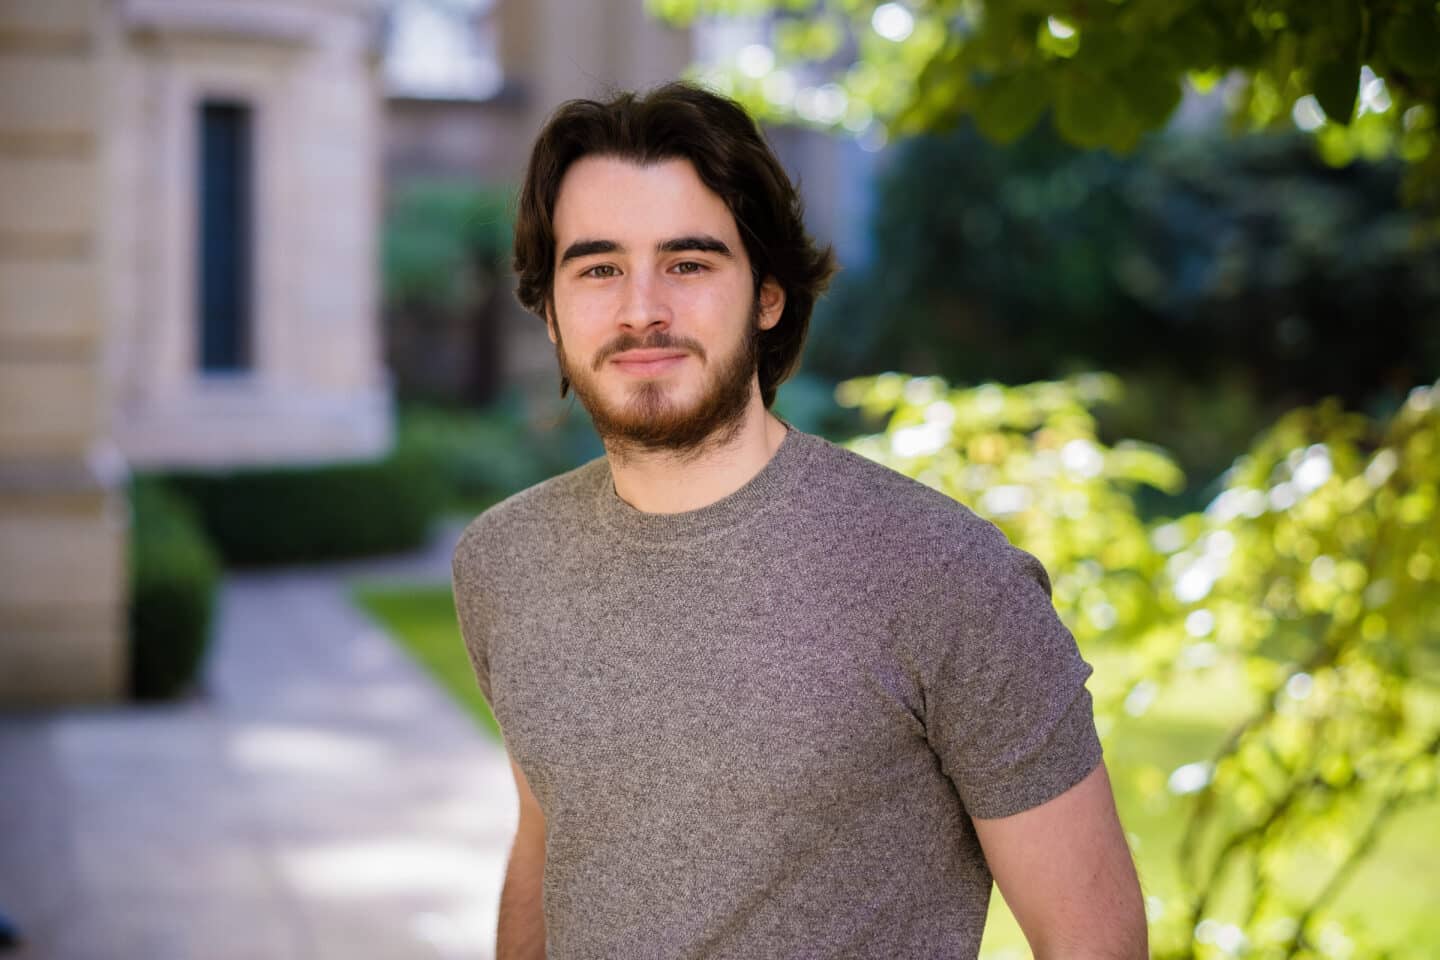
[(1389, 899), (422, 619)]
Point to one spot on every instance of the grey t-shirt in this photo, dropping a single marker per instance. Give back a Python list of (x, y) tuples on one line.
[(761, 728)]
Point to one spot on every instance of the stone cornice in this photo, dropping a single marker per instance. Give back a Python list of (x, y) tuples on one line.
[(299, 24)]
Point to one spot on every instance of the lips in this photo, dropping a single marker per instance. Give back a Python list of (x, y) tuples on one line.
[(648, 361)]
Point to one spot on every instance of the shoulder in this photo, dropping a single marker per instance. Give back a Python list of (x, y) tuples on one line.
[(932, 562), (840, 473), (538, 514), (918, 525)]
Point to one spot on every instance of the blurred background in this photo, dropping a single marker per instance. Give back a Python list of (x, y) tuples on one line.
[(1152, 284)]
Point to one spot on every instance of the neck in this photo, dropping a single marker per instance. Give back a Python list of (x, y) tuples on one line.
[(659, 481)]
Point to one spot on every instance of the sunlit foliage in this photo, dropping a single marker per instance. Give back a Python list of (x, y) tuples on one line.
[(1027, 458), (1309, 584), (1363, 74), (1198, 258)]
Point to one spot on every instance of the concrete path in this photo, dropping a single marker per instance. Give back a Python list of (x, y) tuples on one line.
[(323, 799)]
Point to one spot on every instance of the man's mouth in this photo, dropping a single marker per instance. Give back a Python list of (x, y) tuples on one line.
[(645, 362)]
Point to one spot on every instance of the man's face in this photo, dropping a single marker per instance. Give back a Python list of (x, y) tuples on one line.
[(655, 318)]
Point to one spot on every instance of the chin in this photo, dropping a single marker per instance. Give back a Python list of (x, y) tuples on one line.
[(653, 406), (655, 417)]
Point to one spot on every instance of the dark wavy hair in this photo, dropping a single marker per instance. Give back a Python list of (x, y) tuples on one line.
[(731, 157)]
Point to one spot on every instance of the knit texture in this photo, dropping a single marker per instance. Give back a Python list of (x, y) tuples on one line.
[(761, 728)]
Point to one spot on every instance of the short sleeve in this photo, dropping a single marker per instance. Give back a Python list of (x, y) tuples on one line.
[(467, 589), (1003, 683)]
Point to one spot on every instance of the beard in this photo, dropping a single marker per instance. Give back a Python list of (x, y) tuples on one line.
[(647, 419)]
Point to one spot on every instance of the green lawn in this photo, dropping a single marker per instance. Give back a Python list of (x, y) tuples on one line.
[(1390, 899), (422, 619)]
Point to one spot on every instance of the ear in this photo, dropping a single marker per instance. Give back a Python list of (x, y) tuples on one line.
[(550, 322), (772, 303)]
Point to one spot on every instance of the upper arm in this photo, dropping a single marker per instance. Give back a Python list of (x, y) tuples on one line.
[(1007, 714), (467, 589), (1065, 870), (1002, 680)]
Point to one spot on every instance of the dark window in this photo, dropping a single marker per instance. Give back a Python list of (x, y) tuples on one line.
[(226, 179)]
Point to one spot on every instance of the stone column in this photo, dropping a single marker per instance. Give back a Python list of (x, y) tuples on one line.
[(63, 509)]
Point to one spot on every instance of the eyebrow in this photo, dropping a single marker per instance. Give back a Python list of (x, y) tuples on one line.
[(698, 242)]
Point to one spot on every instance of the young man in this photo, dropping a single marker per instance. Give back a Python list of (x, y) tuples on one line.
[(763, 697)]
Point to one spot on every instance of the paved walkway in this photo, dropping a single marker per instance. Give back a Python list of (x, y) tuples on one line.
[(323, 799)]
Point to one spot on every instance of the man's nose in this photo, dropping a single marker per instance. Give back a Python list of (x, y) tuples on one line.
[(645, 304)]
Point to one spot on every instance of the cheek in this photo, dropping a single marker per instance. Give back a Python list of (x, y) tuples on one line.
[(713, 307), (582, 322)]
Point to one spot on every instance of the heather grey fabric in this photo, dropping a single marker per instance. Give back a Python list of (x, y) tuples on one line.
[(760, 728)]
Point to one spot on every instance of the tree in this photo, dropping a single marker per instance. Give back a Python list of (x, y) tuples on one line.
[(1246, 253), (1363, 74), (1234, 277), (1305, 591)]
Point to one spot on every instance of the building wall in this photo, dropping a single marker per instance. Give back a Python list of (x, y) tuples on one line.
[(549, 51), (99, 367), (317, 389), (63, 513)]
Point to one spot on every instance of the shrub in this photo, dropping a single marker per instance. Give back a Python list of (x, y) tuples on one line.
[(1301, 599), (1207, 257), (173, 579), (484, 455), (444, 248), (306, 514), (437, 233)]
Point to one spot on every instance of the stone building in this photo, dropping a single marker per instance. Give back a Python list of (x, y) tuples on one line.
[(189, 196)]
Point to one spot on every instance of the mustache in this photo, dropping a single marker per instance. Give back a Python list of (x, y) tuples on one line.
[(660, 340)]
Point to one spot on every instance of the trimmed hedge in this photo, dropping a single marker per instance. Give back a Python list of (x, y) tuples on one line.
[(174, 574), (308, 514), (484, 455)]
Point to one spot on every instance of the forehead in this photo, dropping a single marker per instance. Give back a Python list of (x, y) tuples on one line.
[(607, 198)]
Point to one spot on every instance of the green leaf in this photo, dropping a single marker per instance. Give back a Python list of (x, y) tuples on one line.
[(1337, 84), (1152, 90), (1009, 106), (1335, 75), (1123, 132), (1106, 49), (677, 12), (1084, 111), (1412, 42), (1195, 41), (813, 39)]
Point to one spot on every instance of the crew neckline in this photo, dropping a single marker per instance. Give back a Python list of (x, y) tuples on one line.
[(731, 512)]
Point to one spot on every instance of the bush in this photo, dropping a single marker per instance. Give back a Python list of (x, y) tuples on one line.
[(306, 514), (1298, 608), (437, 233), (1207, 257), (444, 249), (482, 456), (173, 579)]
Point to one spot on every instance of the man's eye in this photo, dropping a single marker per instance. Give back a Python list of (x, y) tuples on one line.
[(689, 266), (601, 270)]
